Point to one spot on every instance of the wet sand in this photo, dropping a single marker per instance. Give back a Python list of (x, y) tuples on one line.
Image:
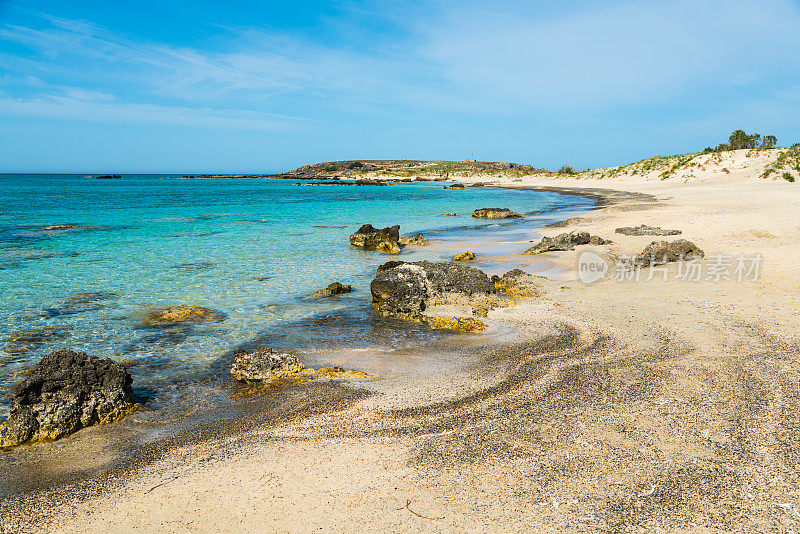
[(613, 407)]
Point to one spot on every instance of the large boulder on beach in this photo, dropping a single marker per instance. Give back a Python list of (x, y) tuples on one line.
[(496, 213), (660, 252), (383, 239), (182, 314), (265, 365), (405, 290), (64, 392), (643, 229), (566, 241)]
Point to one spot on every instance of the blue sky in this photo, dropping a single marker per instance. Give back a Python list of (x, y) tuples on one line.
[(249, 86)]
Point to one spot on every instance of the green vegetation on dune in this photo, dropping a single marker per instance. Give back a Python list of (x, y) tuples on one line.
[(788, 160)]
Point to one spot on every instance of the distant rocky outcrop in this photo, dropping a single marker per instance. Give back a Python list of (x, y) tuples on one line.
[(465, 256), (64, 392), (383, 239), (566, 241), (457, 186), (336, 288), (496, 213), (643, 229), (660, 252), (418, 240), (406, 290), (265, 365), (518, 283)]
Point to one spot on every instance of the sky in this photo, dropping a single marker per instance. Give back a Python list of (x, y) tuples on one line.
[(257, 86)]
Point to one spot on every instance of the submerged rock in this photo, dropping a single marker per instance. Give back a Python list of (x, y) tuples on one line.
[(418, 240), (517, 283), (64, 392), (457, 186), (265, 365), (643, 229), (566, 241), (405, 290), (660, 252), (383, 239), (465, 256), (496, 213), (29, 340), (451, 214), (335, 288), (182, 314), (59, 227)]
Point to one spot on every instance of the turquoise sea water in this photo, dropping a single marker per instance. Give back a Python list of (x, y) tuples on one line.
[(252, 249)]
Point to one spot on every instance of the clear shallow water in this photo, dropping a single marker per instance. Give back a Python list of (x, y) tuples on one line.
[(252, 249)]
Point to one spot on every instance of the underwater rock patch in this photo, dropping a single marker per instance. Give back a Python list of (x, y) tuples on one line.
[(496, 213), (182, 314)]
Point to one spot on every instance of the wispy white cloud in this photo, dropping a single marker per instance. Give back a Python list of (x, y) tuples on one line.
[(509, 58)]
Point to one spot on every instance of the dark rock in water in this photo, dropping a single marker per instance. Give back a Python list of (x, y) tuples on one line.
[(64, 392), (451, 214), (566, 242), (517, 283), (182, 314), (383, 239), (477, 184), (80, 303), (29, 340), (108, 177), (457, 186), (418, 240), (496, 213), (262, 278), (335, 288), (660, 252), (406, 289), (643, 229), (264, 365)]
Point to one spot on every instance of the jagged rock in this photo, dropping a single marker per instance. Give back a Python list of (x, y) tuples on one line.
[(265, 365), (389, 265), (660, 252), (64, 392), (383, 239), (517, 283), (405, 290), (643, 229), (465, 256), (335, 288), (496, 213), (418, 240), (566, 241), (182, 314)]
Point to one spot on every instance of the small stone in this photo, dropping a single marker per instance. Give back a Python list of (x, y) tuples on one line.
[(465, 256), (336, 288), (265, 365)]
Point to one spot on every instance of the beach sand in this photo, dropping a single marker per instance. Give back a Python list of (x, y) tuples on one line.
[(633, 406)]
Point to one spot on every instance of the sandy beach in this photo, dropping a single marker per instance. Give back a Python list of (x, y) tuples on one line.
[(643, 405)]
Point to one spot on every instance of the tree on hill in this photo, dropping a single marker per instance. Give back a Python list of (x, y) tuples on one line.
[(739, 139)]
